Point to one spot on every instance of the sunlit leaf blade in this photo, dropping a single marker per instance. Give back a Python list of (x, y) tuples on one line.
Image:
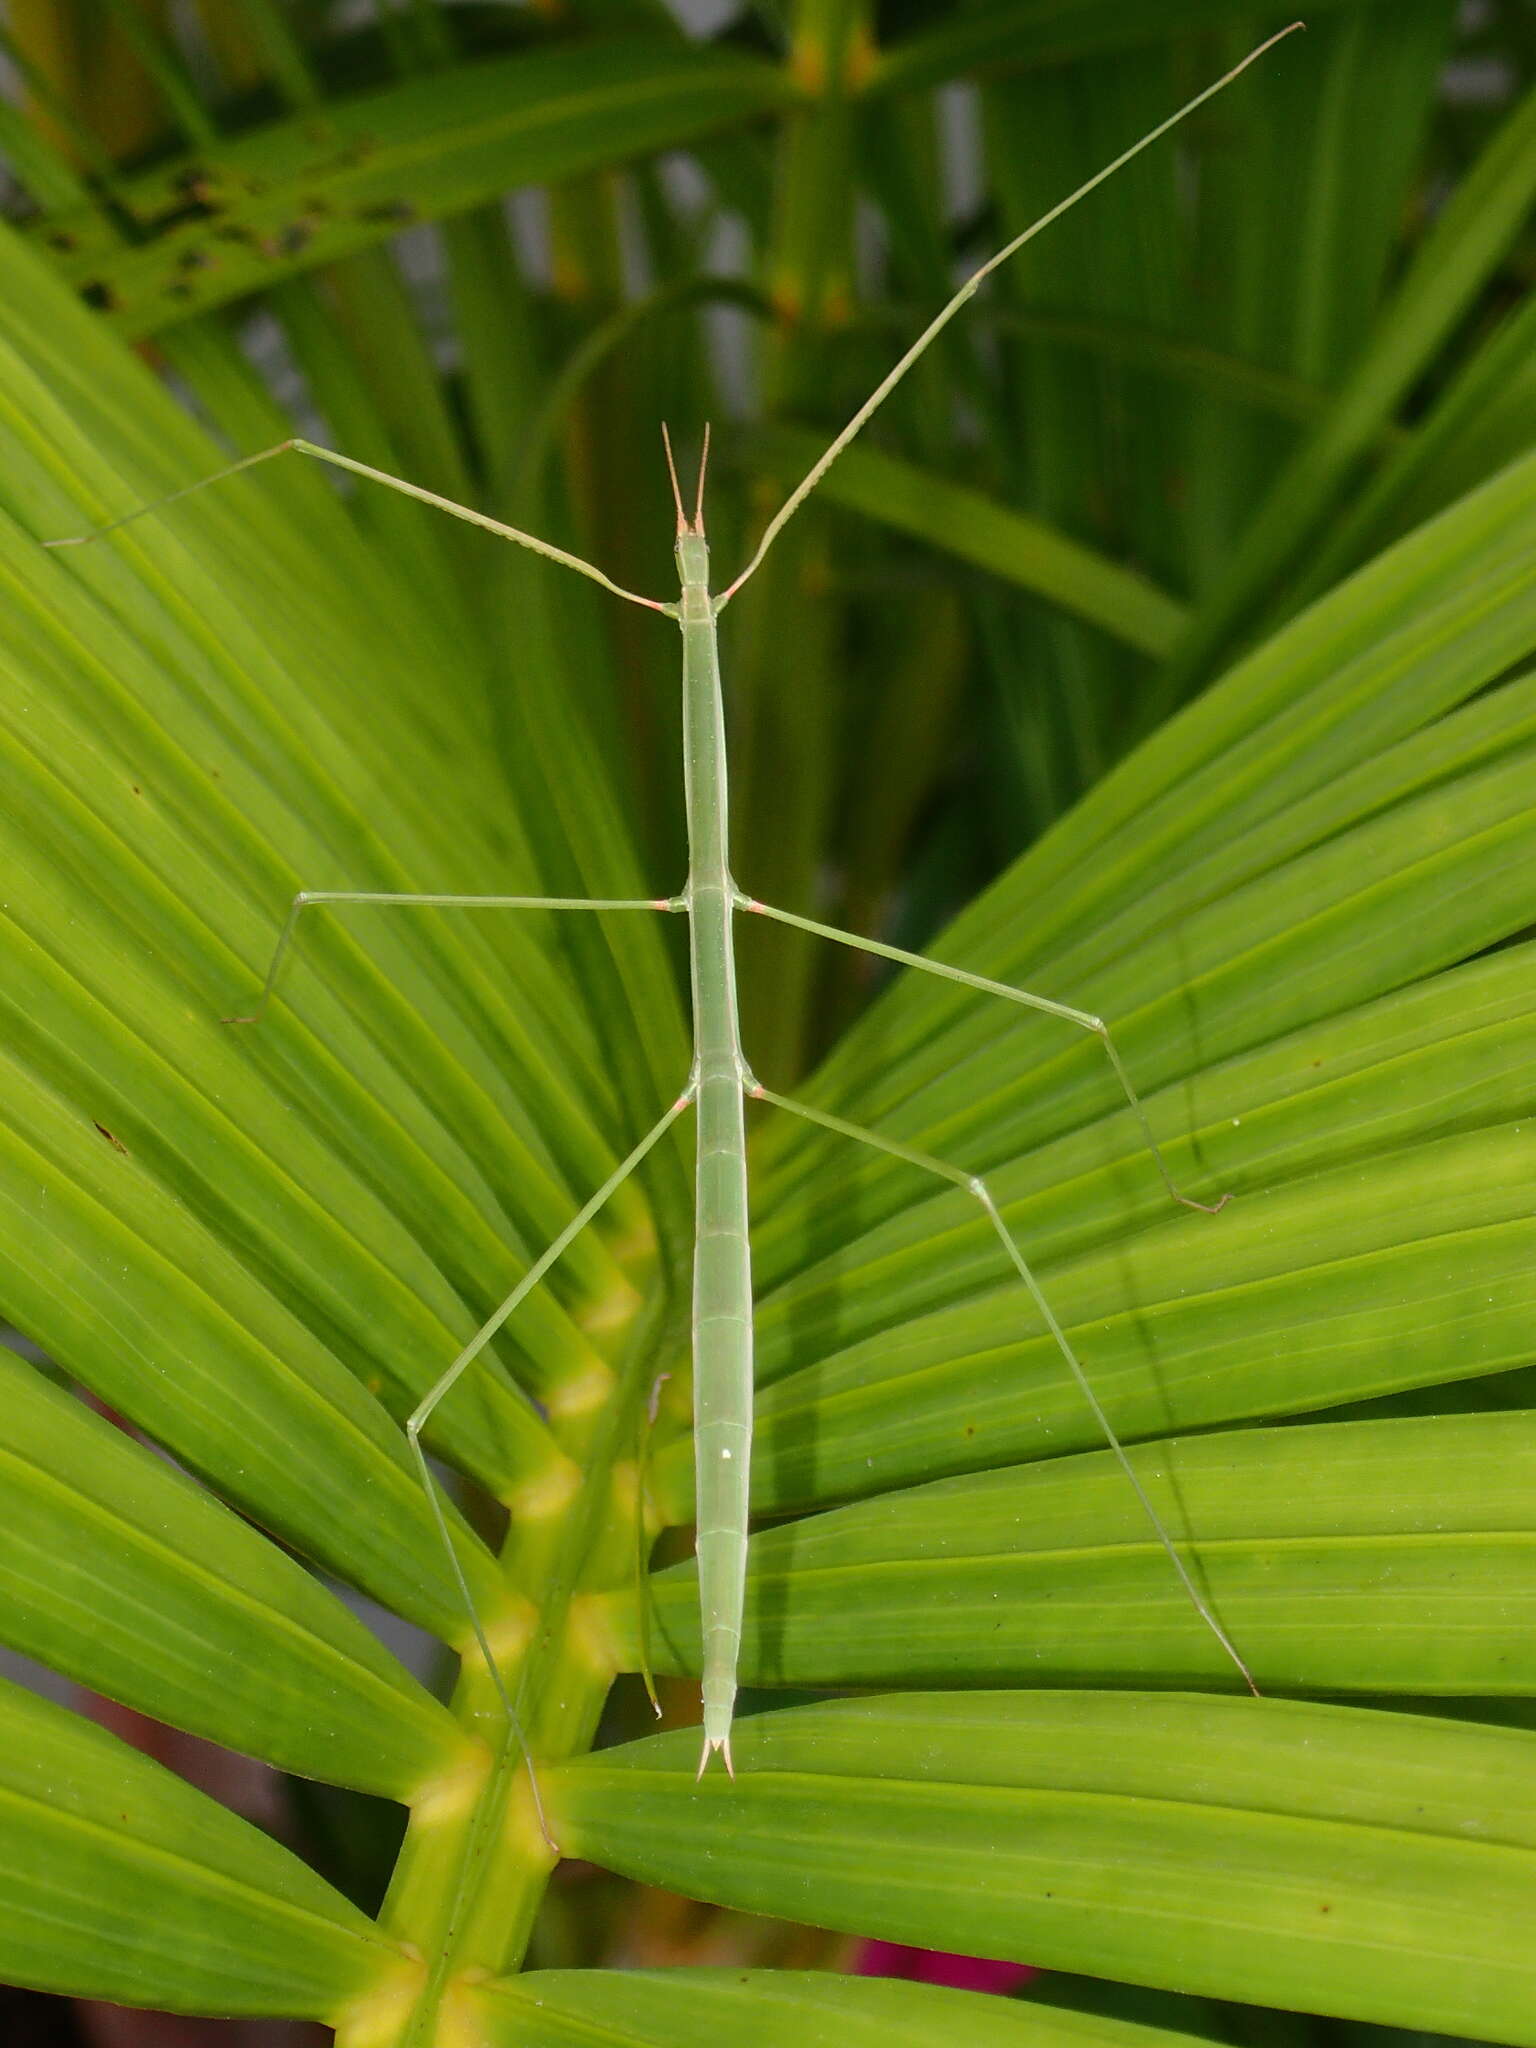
[(294, 195), (1393, 1557), (118, 1571), (700, 2008), (119, 1881), (1329, 1859)]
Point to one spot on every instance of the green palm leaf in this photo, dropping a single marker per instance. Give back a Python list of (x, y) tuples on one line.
[(1300, 904)]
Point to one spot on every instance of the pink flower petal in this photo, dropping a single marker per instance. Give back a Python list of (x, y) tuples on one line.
[(935, 1966)]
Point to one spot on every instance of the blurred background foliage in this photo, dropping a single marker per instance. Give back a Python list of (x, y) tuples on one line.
[(1255, 362)]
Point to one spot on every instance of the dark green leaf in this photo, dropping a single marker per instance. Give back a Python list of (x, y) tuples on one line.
[(307, 191)]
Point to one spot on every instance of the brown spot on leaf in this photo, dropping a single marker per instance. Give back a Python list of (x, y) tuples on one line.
[(392, 212)]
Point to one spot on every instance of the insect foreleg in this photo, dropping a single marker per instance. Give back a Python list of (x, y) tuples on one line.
[(403, 485)]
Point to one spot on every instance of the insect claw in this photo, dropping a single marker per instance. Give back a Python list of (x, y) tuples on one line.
[(712, 1743)]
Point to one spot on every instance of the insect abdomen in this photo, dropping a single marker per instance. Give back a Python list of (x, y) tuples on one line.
[(722, 1389)]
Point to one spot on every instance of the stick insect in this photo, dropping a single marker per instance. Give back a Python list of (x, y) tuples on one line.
[(721, 1081)]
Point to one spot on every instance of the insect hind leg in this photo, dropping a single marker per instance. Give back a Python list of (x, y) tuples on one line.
[(977, 1188)]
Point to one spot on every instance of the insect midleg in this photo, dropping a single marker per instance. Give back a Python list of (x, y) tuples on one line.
[(974, 1185), (309, 899), (314, 899), (1083, 1019)]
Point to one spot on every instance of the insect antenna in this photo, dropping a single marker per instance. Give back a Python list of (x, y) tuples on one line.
[(677, 495), (698, 502)]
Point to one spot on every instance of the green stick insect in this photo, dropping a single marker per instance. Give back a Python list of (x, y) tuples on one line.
[(721, 1081)]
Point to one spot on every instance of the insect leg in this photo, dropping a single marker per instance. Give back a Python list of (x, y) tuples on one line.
[(310, 899), (1083, 1019), (976, 1187), (419, 1418)]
